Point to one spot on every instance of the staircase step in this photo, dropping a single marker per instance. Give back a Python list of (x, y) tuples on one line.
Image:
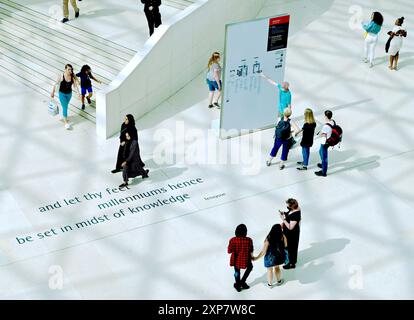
[(46, 55), (178, 4), (72, 32), (34, 35), (35, 48), (30, 80)]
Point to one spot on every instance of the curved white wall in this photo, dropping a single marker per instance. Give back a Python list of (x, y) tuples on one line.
[(176, 53)]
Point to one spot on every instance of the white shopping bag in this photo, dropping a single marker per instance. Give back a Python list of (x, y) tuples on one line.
[(53, 108)]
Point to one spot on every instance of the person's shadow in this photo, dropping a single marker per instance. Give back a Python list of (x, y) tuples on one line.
[(159, 173), (307, 270), (361, 164)]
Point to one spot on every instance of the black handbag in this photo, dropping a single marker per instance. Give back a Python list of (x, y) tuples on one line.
[(291, 142)]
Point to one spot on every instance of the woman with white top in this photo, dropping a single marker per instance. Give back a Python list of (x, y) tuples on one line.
[(372, 30), (396, 42), (214, 79)]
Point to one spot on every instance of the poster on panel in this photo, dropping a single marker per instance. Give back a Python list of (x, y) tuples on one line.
[(249, 102)]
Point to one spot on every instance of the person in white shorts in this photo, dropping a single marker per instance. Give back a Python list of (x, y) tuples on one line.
[(397, 34)]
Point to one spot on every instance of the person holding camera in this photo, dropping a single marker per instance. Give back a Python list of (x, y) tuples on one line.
[(291, 230), (395, 43)]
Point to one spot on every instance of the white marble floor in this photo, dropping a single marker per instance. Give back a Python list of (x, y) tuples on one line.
[(357, 229)]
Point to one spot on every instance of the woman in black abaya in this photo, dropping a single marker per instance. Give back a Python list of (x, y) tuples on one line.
[(127, 125)]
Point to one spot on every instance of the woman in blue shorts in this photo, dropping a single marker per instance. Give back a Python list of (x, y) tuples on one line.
[(274, 254), (214, 79), (86, 84)]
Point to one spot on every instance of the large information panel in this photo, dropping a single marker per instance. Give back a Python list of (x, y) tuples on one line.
[(252, 47)]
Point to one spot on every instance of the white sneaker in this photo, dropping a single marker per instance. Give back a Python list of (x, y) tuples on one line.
[(67, 126)]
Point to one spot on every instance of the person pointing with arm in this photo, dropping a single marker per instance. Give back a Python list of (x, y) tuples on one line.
[(285, 96)]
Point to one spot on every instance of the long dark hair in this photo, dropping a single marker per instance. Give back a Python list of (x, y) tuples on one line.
[(85, 68), (275, 235), (70, 66), (131, 120), (378, 18)]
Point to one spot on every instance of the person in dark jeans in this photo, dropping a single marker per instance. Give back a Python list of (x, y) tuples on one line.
[(291, 229), (241, 249), (152, 12), (325, 133), (282, 135), (308, 131)]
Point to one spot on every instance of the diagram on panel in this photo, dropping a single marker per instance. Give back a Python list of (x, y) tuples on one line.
[(256, 66), (243, 69), (279, 57)]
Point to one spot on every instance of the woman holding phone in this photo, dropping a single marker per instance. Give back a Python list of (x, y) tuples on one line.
[(291, 229)]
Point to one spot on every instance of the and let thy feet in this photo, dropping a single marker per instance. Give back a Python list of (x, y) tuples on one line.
[(89, 100), (115, 170), (77, 13), (83, 107), (210, 106), (64, 20)]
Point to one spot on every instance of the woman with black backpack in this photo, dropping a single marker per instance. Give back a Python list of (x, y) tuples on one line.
[(282, 136)]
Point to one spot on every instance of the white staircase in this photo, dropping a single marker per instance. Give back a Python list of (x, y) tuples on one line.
[(178, 4), (34, 50)]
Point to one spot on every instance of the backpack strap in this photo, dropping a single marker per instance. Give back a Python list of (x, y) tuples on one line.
[(328, 124)]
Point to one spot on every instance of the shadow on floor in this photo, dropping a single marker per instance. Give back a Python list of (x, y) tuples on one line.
[(161, 172), (361, 164), (307, 269), (102, 13)]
